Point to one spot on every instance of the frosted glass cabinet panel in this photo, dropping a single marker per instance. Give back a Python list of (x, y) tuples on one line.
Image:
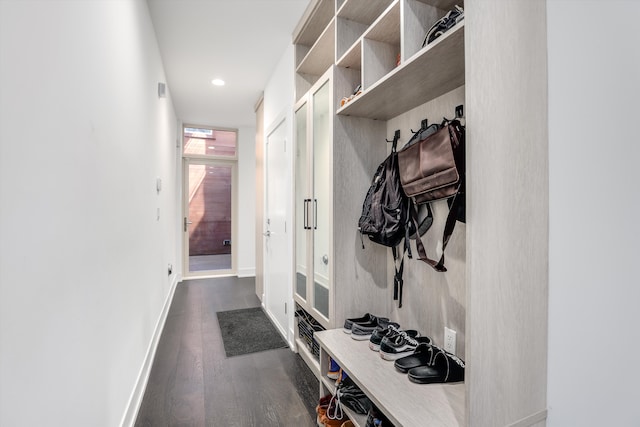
[(301, 201), (313, 201), (322, 197)]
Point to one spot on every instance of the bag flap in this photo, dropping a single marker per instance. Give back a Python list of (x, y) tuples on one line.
[(428, 165)]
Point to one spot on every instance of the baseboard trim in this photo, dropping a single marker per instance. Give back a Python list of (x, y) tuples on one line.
[(271, 317), (531, 419), (135, 400), (246, 272)]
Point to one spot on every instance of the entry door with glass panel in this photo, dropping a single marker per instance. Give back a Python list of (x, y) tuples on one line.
[(208, 207)]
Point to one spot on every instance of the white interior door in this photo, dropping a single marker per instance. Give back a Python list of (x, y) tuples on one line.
[(277, 258)]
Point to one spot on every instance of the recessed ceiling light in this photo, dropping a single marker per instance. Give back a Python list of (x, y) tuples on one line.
[(211, 147), (217, 82)]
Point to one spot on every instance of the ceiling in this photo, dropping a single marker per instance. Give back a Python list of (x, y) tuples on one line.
[(239, 41)]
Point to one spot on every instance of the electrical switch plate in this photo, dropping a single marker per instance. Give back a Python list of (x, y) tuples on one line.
[(449, 340)]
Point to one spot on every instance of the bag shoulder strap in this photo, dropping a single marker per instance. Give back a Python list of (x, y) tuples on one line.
[(446, 235), (453, 210)]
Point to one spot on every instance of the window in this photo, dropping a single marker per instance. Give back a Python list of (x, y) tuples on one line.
[(210, 142)]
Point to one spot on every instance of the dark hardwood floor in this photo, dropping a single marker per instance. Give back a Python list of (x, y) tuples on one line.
[(193, 383)]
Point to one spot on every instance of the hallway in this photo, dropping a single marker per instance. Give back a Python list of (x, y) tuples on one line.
[(193, 383)]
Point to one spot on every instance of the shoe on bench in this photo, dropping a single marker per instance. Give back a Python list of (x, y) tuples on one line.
[(444, 368), (422, 356), (400, 346), (379, 334), (348, 323), (363, 331)]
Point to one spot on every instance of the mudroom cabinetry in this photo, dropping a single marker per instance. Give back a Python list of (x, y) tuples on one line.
[(494, 292), (331, 163)]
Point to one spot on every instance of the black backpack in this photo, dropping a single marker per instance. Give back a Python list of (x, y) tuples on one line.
[(385, 209), (385, 214)]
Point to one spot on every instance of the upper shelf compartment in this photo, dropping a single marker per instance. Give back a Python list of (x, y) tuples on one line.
[(314, 21), (322, 54), (363, 11), (433, 71), (443, 4)]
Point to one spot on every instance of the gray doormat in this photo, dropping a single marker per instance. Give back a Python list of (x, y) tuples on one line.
[(248, 330)]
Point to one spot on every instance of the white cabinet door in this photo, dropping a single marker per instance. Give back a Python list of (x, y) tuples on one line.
[(313, 201)]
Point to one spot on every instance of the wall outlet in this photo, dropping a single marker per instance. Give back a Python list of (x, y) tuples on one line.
[(449, 340)]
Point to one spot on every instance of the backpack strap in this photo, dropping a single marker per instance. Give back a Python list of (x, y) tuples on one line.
[(398, 282), (446, 235)]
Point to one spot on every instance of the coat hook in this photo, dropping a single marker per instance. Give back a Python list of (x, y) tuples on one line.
[(396, 136), (424, 124)]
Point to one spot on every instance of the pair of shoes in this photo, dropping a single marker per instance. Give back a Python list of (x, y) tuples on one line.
[(444, 368), (321, 409), (430, 364), (335, 371), (363, 331), (334, 415), (357, 91), (400, 345), (328, 422), (348, 323), (375, 418), (361, 325), (388, 333)]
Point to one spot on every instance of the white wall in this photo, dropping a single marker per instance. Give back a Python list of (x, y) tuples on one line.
[(278, 103), (594, 155), (83, 259), (246, 262)]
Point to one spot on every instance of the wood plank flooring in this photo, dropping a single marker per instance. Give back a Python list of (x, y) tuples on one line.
[(193, 383)]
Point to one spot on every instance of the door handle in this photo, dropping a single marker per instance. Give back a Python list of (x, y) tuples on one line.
[(186, 223), (315, 214), (306, 214)]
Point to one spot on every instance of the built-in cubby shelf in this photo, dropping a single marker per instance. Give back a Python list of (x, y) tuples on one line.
[(357, 419), (322, 54), (308, 357), (403, 402), (363, 11), (352, 58), (315, 23), (433, 71)]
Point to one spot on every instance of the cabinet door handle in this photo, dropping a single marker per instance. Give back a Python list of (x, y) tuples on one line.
[(306, 214), (315, 214)]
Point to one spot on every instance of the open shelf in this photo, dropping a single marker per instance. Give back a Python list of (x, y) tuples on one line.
[(352, 57), (403, 402), (387, 27), (357, 419), (443, 4), (433, 71), (308, 357), (322, 54), (363, 11), (319, 17)]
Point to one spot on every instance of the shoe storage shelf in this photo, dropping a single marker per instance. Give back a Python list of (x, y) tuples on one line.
[(403, 402)]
